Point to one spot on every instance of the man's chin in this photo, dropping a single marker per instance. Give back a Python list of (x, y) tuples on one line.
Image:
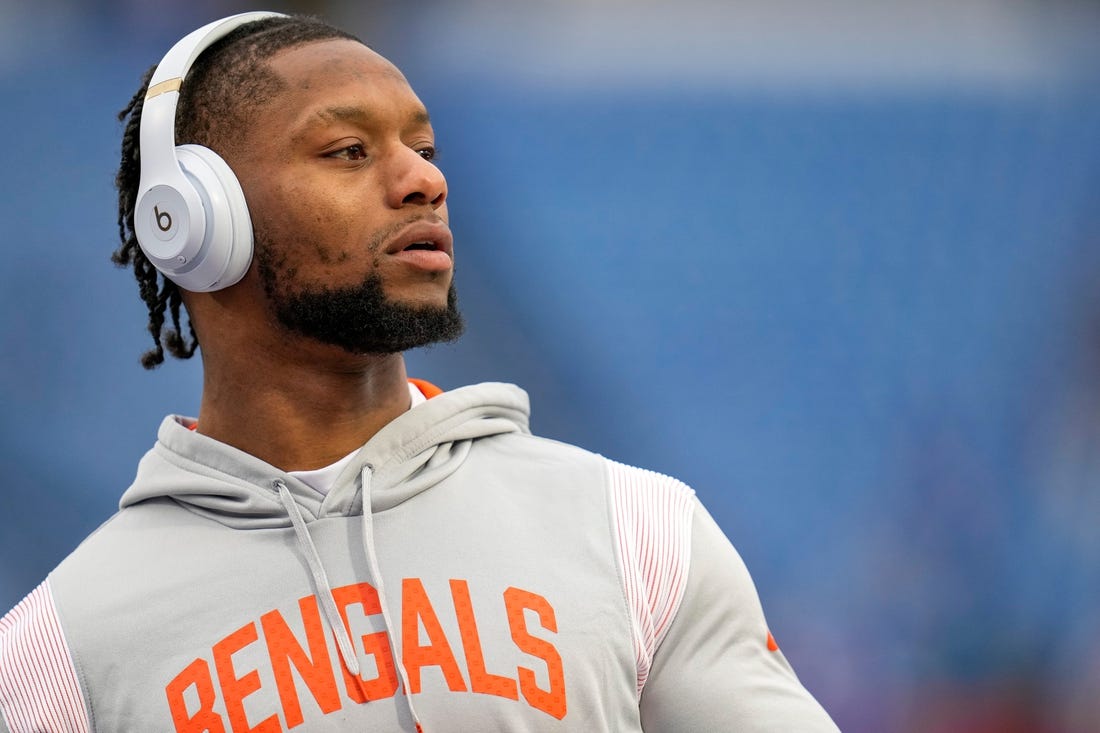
[(363, 321), (419, 303)]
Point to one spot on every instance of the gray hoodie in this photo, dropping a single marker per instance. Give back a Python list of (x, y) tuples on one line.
[(499, 582)]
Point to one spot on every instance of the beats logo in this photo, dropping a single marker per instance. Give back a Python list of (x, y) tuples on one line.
[(161, 220), (164, 219)]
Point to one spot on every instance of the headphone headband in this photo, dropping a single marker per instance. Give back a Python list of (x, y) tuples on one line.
[(183, 208), (181, 57)]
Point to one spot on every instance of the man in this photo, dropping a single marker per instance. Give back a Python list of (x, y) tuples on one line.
[(331, 544)]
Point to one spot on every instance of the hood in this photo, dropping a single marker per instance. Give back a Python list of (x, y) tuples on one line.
[(411, 454)]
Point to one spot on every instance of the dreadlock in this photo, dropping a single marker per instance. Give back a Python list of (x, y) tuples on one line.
[(224, 87)]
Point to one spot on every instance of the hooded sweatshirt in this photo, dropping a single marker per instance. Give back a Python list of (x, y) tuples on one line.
[(459, 575)]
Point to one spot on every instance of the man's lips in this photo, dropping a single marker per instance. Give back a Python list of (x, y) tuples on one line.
[(423, 235), (424, 244)]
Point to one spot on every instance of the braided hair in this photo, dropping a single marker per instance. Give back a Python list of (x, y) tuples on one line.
[(224, 87)]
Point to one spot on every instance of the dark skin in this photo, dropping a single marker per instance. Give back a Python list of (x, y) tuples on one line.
[(338, 177)]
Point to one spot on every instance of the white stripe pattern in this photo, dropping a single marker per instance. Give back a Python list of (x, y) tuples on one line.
[(38, 685), (652, 516)]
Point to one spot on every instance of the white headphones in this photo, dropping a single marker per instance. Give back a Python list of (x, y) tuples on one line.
[(191, 218)]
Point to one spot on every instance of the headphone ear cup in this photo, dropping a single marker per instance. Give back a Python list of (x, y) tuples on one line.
[(226, 250)]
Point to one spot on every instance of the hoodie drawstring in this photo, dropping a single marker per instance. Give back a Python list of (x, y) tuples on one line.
[(320, 580), (379, 587), (324, 590)]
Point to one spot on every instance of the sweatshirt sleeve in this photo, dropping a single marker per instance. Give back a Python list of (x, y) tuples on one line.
[(718, 668), (39, 690)]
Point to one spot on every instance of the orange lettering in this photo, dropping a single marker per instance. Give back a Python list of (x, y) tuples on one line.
[(196, 675), (236, 689), (552, 700), (377, 645), (480, 680), (315, 668), (416, 609)]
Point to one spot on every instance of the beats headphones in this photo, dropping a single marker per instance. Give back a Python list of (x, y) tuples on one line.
[(191, 218)]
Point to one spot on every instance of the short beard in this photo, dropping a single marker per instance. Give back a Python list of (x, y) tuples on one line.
[(359, 318)]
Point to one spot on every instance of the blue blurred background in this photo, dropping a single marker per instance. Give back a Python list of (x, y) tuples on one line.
[(833, 264)]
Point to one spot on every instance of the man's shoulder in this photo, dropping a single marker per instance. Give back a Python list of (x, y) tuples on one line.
[(524, 446), (105, 539), (124, 544), (622, 478)]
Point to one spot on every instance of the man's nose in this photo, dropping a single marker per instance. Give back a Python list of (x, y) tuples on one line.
[(419, 182)]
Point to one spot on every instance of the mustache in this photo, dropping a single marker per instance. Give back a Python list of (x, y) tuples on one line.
[(380, 237)]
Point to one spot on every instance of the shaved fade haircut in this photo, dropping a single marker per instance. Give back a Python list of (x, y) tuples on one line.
[(224, 88)]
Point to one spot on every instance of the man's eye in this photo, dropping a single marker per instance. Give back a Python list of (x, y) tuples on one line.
[(351, 152), (427, 153)]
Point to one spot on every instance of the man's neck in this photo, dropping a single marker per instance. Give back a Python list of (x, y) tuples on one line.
[(302, 415)]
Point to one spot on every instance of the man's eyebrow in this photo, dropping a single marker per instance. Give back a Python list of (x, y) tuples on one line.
[(359, 115)]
